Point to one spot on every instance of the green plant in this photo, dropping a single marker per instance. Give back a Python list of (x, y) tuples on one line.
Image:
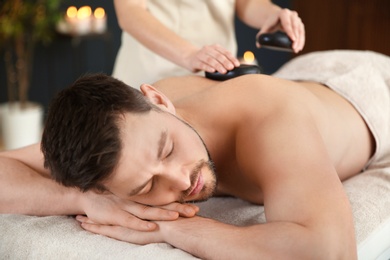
[(23, 24)]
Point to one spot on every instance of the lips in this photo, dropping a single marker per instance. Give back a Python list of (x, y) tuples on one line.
[(198, 185)]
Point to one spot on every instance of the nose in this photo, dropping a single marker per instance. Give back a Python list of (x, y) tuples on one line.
[(179, 178)]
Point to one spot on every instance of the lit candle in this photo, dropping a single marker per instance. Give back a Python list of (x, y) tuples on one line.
[(248, 58), (99, 21), (71, 12), (83, 25), (71, 19)]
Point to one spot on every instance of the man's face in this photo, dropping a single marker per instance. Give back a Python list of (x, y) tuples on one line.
[(163, 160)]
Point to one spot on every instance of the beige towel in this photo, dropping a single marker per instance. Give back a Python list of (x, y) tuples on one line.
[(361, 77)]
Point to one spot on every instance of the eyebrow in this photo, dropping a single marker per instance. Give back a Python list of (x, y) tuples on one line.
[(161, 144)]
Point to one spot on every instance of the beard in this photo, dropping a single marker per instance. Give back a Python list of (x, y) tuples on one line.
[(210, 187)]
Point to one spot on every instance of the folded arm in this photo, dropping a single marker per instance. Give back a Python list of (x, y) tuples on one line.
[(26, 188)]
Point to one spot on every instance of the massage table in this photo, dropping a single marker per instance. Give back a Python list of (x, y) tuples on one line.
[(61, 237)]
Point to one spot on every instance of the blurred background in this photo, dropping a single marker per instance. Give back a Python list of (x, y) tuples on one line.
[(61, 56), (330, 24)]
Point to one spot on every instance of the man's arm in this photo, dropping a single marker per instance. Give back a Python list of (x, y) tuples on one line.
[(26, 188), (308, 213)]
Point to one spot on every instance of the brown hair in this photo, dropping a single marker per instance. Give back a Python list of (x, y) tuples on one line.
[(81, 140)]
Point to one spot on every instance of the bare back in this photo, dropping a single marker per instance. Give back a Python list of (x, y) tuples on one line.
[(218, 109)]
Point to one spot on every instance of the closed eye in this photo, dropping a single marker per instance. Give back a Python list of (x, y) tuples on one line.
[(171, 150), (151, 186)]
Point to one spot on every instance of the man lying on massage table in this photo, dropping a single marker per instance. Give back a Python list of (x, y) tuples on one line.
[(128, 161)]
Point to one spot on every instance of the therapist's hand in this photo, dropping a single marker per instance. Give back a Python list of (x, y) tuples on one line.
[(289, 22), (108, 209), (211, 58)]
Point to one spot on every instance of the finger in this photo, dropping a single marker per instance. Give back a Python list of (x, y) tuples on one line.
[(225, 57), (300, 29), (286, 23), (84, 219), (152, 212), (185, 210), (125, 219), (204, 61), (296, 24), (258, 45), (229, 56), (115, 232), (294, 28), (211, 64), (303, 37), (218, 63), (218, 58)]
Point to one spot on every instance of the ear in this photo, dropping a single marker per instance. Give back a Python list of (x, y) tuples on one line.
[(157, 98)]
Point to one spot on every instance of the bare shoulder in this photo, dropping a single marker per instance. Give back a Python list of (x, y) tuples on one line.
[(176, 88), (233, 102), (245, 86), (280, 149), (253, 96), (30, 155)]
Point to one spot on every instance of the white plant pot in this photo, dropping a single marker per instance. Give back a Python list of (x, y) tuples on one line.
[(20, 127)]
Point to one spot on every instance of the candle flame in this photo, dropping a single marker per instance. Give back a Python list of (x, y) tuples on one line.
[(99, 13), (71, 12), (249, 56), (84, 12)]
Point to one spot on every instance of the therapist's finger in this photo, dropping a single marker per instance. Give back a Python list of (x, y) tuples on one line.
[(302, 35), (297, 25), (286, 22), (215, 58), (226, 57)]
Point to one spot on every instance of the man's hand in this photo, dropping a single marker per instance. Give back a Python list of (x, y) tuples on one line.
[(122, 233), (107, 209), (159, 235), (289, 22)]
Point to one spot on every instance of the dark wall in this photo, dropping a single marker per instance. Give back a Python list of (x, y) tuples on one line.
[(347, 24), (59, 64), (66, 58)]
